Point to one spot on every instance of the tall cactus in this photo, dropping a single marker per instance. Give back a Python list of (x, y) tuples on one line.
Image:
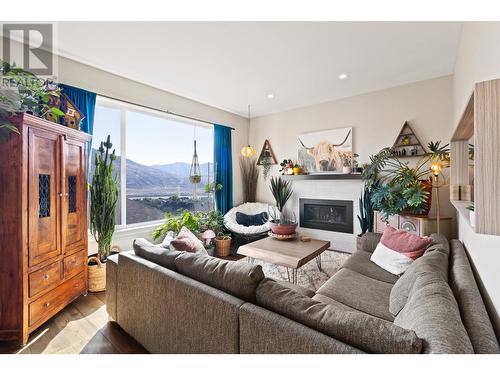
[(103, 199), (365, 216)]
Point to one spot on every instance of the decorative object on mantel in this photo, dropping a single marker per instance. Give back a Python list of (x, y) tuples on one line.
[(355, 164), (399, 188), (267, 158), (282, 222), (321, 151), (249, 177), (248, 151), (346, 162), (286, 167), (297, 169), (407, 143)]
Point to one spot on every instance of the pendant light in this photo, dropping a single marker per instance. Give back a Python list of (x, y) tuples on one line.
[(195, 172), (248, 151)]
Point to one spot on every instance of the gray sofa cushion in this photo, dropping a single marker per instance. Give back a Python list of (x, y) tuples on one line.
[(299, 289), (434, 261), (239, 279), (439, 239), (361, 263), (359, 292), (432, 312), (472, 309), (354, 328), (156, 254), (329, 301)]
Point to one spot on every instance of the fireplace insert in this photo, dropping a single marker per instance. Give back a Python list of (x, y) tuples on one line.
[(326, 214)]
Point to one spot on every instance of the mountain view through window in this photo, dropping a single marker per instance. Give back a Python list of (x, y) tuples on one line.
[(157, 152)]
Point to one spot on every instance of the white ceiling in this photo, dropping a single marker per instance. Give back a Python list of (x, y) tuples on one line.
[(231, 65)]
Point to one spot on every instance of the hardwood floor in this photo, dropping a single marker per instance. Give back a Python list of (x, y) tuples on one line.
[(82, 327)]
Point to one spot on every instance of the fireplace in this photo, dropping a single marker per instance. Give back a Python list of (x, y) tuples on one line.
[(326, 214)]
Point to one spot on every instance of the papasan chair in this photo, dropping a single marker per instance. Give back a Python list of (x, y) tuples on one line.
[(244, 234)]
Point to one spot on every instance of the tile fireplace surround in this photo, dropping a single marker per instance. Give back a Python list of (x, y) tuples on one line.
[(345, 190)]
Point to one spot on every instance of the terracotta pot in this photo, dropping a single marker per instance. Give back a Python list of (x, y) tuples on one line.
[(283, 229)]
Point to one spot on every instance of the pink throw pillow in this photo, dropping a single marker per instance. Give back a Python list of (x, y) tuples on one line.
[(409, 244), (187, 241)]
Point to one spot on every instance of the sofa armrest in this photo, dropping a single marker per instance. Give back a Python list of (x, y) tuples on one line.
[(369, 241), (111, 285), (297, 288)]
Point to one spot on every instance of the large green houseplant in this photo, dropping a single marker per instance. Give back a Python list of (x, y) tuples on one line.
[(396, 186), (103, 199), (23, 92)]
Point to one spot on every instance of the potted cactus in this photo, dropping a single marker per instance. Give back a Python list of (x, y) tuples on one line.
[(103, 199)]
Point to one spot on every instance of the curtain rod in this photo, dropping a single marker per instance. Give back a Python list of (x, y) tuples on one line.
[(162, 110)]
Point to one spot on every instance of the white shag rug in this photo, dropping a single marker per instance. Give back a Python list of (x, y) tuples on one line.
[(308, 276)]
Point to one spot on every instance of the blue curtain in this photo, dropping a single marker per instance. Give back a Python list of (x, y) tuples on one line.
[(223, 167), (85, 102)]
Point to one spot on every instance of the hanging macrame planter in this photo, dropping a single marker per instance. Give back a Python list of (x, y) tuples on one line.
[(195, 172)]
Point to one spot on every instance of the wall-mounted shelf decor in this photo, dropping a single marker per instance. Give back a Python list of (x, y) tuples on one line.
[(407, 144), (267, 153), (479, 124)]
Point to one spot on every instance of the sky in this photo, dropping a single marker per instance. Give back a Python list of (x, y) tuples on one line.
[(153, 140)]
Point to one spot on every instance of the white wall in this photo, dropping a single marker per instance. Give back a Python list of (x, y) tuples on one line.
[(478, 60), (376, 119)]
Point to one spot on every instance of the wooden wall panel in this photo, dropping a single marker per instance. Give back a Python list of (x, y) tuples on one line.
[(459, 155), (487, 157)]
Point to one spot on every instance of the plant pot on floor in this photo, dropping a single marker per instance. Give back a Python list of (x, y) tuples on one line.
[(222, 246), (97, 272)]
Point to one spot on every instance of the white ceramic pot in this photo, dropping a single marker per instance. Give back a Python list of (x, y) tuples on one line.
[(346, 170), (472, 218)]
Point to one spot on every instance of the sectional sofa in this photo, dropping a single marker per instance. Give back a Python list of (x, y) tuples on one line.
[(173, 302)]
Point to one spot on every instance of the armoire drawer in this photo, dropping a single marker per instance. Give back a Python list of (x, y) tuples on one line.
[(44, 278), (55, 300), (75, 263)]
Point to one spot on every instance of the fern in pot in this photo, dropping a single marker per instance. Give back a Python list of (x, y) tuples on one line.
[(282, 221), (103, 200)]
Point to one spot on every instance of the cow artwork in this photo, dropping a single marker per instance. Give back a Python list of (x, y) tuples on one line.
[(325, 151)]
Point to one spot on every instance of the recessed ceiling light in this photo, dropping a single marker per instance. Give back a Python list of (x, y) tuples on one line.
[(342, 76), (270, 96)]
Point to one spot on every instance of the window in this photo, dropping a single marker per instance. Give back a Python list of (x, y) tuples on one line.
[(154, 159)]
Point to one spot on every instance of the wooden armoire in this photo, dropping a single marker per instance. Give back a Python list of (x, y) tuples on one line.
[(43, 224)]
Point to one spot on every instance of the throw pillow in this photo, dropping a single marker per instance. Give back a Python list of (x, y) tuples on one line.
[(251, 220), (154, 253), (397, 249), (187, 241), (168, 238)]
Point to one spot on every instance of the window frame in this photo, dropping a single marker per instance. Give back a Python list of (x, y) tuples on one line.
[(123, 107)]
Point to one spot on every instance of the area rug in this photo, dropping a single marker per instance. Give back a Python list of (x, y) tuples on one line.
[(308, 276)]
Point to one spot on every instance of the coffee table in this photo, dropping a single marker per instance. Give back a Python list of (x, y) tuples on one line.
[(291, 254)]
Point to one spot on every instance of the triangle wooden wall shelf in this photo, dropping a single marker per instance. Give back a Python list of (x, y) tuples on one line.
[(407, 143)]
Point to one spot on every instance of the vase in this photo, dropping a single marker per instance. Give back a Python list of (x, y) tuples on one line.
[(472, 218), (283, 229), (346, 170), (297, 171)]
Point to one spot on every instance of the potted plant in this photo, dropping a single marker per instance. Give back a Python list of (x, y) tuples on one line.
[(282, 222), (346, 162), (472, 214), (174, 223), (355, 164), (266, 161), (365, 216), (103, 199), (211, 188), (223, 244), (398, 187), (23, 92), (286, 167)]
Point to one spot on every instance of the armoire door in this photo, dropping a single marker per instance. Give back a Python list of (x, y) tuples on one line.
[(74, 204), (43, 196)]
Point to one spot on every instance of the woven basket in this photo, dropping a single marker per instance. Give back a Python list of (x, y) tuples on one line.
[(223, 247), (97, 273)]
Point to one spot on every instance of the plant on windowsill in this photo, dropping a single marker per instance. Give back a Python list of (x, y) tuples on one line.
[(211, 189), (23, 92), (398, 187), (103, 199), (174, 223)]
